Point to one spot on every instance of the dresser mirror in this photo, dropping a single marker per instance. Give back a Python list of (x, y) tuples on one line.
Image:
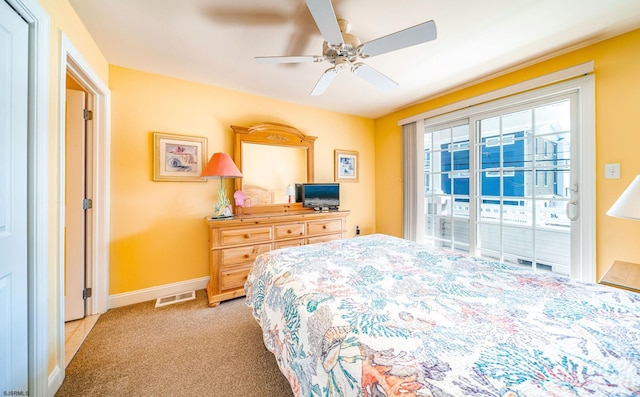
[(272, 157)]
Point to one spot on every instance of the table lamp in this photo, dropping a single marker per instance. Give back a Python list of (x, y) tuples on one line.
[(625, 274), (221, 165)]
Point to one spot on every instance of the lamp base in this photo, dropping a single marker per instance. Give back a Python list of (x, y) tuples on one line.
[(219, 217)]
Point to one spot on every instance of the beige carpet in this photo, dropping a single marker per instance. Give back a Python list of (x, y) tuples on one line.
[(184, 349)]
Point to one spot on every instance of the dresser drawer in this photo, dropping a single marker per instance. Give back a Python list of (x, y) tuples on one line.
[(231, 257), (322, 227), (235, 243), (234, 278), (245, 235), (289, 230), (288, 243), (322, 239)]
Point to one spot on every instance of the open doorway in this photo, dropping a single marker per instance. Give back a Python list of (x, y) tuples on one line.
[(78, 215), (84, 182)]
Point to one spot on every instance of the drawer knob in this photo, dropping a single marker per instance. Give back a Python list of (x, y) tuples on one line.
[(247, 256), (324, 226), (289, 231), (247, 235)]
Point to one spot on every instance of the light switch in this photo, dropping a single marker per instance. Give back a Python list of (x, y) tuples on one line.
[(612, 171)]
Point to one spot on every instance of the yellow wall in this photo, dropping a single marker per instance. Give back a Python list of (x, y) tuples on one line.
[(62, 19), (617, 66), (158, 233)]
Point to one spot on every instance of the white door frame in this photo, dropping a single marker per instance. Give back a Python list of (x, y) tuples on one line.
[(99, 100), (37, 192)]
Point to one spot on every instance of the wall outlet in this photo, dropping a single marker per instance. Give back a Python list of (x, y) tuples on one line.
[(357, 230), (612, 171)]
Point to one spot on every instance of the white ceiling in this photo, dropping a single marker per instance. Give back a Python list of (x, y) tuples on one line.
[(214, 42)]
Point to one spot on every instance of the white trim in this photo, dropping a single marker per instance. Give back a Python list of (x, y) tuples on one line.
[(587, 179), (551, 78), (38, 193), (531, 95), (148, 294), (72, 61)]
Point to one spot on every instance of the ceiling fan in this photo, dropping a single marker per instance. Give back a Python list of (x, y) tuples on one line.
[(343, 50)]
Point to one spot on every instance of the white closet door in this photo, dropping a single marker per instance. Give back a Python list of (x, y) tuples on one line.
[(14, 37)]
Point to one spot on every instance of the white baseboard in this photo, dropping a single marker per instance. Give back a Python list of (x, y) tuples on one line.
[(55, 381), (147, 294)]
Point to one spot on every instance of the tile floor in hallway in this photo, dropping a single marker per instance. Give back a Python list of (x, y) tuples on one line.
[(74, 334)]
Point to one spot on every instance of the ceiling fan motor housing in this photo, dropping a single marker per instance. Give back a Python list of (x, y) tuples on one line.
[(348, 49)]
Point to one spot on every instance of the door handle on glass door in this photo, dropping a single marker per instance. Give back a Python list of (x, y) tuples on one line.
[(568, 210)]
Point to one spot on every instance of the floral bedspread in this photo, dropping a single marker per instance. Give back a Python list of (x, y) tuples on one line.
[(381, 316)]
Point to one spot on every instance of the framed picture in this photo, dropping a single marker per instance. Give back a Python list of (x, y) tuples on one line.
[(346, 166), (178, 157)]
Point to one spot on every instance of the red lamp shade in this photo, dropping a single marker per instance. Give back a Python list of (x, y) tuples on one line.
[(222, 166)]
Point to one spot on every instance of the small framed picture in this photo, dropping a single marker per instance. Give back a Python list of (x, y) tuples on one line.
[(346, 166), (178, 157)]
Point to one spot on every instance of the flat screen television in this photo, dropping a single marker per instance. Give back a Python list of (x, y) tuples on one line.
[(321, 196)]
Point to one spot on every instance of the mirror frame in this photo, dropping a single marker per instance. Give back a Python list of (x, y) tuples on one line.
[(272, 134)]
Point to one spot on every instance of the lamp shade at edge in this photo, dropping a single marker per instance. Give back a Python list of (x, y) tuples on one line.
[(628, 204)]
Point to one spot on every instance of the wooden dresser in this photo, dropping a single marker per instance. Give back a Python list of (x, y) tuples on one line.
[(234, 243)]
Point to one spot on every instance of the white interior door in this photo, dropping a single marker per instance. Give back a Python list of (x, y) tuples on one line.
[(74, 301), (14, 44)]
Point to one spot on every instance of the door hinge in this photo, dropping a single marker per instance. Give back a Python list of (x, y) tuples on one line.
[(87, 204), (86, 293), (87, 114)]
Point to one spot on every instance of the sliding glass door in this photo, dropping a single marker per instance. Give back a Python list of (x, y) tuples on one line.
[(500, 184)]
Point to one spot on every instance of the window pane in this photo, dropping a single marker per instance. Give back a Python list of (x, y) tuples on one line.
[(441, 137), (517, 121), (517, 212), (489, 128), (447, 186), (490, 240), (517, 244), (553, 118), (461, 133), (551, 250), (552, 214), (461, 234)]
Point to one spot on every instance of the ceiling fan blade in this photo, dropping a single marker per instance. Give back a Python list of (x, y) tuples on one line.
[(291, 59), (325, 17), (374, 77), (326, 79), (418, 34)]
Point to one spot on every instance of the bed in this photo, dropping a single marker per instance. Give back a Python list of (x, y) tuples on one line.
[(382, 316)]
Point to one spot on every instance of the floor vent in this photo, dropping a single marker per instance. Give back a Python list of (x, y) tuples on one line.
[(169, 300)]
